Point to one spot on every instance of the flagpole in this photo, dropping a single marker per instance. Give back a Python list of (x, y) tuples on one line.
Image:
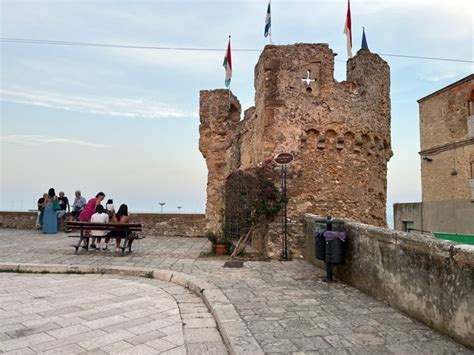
[(270, 32), (230, 82)]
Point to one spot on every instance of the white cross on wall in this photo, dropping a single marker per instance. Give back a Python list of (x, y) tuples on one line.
[(308, 80)]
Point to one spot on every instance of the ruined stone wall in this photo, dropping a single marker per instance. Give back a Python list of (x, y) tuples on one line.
[(339, 134), (219, 113)]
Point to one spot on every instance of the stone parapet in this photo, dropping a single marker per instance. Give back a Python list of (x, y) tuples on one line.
[(18, 220), (178, 225), (154, 224), (429, 279)]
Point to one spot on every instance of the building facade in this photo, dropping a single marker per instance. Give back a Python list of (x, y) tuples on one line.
[(447, 163)]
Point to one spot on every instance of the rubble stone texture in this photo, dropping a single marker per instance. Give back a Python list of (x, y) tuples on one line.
[(339, 134)]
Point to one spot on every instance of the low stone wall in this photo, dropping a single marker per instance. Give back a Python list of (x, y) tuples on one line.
[(154, 224), (429, 279), (181, 225), (18, 220)]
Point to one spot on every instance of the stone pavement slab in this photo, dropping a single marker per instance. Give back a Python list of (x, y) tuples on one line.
[(284, 305), (102, 328)]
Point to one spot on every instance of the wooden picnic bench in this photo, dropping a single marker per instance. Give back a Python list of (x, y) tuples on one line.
[(129, 230)]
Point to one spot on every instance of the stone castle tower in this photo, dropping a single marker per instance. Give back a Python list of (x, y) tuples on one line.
[(339, 134)]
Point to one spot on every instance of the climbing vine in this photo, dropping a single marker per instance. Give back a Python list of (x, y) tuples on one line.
[(252, 199)]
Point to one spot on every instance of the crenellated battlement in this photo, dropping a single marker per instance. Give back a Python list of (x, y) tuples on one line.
[(339, 133)]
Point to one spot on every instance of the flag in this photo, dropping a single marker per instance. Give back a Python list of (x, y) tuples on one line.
[(268, 21), (364, 40), (228, 65), (348, 30)]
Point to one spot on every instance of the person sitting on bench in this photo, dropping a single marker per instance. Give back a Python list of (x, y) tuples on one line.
[(120, 217), (78, 205), (99, 217)]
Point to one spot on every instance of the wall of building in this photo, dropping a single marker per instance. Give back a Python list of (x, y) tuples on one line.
[(447, 176), (444, 115), (339, 134), (447, 161), (431, 280), (445, 140), (154, 224), (404, 212), (449, 216)]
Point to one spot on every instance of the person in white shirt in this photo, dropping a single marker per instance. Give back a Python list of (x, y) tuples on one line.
[(99, 217), (109, 207)]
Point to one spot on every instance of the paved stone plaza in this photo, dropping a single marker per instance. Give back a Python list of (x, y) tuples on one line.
[(64, 314), (284, 305)]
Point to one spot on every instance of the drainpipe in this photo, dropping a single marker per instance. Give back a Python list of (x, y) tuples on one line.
[(422, 226)]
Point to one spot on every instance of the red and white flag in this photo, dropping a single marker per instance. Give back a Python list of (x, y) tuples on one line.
[(348, 30), (228, 65)]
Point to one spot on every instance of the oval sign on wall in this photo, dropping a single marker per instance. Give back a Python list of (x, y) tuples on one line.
[(284, 158)]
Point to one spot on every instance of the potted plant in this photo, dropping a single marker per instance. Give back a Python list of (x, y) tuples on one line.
[(220, 244)]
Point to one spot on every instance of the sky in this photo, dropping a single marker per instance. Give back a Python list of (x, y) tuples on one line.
[(125, 121)]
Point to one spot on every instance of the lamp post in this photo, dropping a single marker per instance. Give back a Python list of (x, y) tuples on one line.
[(162, 204)]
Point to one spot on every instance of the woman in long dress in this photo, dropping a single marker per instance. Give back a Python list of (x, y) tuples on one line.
[(50, 219)]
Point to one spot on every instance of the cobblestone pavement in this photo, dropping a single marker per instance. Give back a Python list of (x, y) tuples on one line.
[(99, 314), (285, 305)]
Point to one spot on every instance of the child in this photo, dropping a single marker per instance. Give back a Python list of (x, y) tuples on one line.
[(99, 217)]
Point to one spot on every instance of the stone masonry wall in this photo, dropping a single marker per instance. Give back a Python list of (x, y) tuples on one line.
[(447, 176), (444, 118), (339, 134), (154, 224), (429, 279), (18, 220), (444, 115), (219, 113)]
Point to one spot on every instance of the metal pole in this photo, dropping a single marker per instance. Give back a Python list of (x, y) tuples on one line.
[(285, 256), (283, 215), (329, 266)]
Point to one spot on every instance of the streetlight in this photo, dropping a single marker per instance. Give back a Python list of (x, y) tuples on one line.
[(162, 204), (179, 209)]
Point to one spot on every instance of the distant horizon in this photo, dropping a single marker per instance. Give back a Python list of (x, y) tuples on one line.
[(390, 220)]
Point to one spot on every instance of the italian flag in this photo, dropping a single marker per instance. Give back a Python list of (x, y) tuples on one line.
[(228, 65), (348, 30)]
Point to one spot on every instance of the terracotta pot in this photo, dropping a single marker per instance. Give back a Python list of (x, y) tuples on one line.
[(220, 249)]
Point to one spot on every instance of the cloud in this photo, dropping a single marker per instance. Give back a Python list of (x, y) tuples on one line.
[(434, 78), (110, 106), (25, 139), (443, 72)]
